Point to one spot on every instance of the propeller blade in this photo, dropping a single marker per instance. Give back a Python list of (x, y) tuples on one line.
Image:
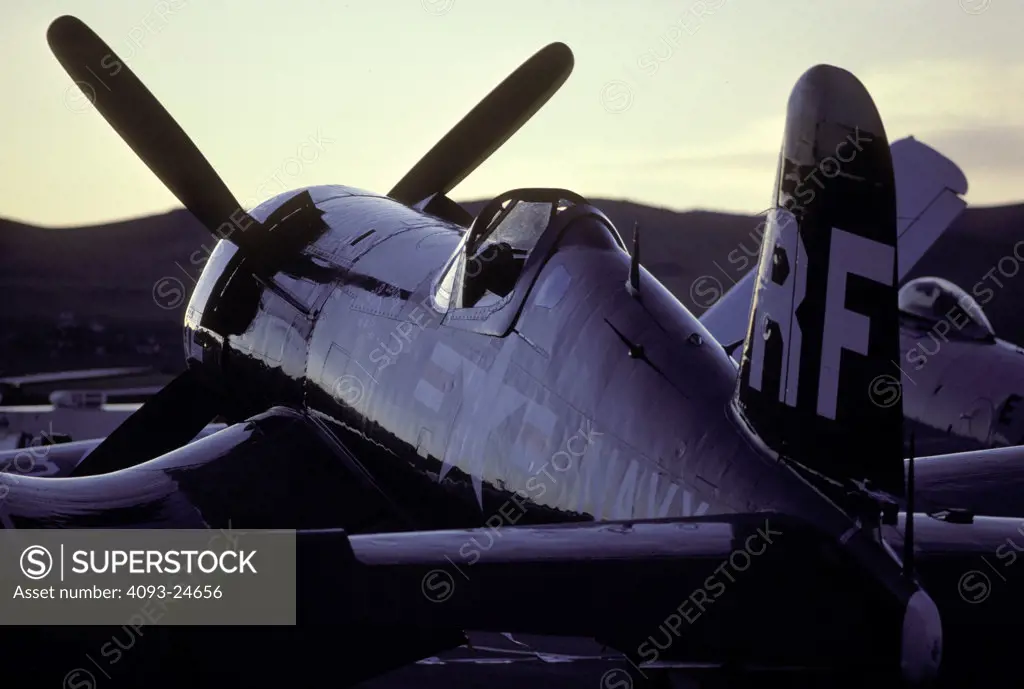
[(487, 126), (137, 116), (168, 420)]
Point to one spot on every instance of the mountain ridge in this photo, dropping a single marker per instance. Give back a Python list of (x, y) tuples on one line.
[(107, 271)]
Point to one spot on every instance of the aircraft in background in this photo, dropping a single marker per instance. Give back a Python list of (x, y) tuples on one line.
[(962, 386), (93, 398), (33, 413), (389, 364), (71, 414), (20, 389), (50, 454)]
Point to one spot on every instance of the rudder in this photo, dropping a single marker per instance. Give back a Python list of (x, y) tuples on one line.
[(819, 378)]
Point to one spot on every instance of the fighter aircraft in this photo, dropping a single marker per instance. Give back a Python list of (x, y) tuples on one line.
[(396, 368)]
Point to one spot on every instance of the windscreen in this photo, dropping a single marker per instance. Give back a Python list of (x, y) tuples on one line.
[(520, 226)]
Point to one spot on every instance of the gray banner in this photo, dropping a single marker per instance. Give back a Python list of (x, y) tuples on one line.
[(142, 577)]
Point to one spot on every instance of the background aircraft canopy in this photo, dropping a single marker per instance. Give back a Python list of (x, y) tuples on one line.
[(931, 299)]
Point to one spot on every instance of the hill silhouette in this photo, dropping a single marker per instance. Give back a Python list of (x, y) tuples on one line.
[(105, 274)]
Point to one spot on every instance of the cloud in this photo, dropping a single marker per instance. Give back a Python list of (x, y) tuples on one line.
[(997, 148), (918, 97), (744, 161), (921, 96), (970, 111)]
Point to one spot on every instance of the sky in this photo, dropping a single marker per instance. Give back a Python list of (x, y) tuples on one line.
[(673, 103)]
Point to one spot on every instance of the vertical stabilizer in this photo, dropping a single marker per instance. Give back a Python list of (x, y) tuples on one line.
[(819, 380)]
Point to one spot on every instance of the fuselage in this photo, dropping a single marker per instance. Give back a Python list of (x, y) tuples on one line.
[(961, 394), (591, 404)]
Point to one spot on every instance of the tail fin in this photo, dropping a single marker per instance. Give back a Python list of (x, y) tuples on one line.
[(819, 379), (929, 187), (928, 199)]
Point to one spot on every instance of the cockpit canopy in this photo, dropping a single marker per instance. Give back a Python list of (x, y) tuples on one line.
[(929, 300), (489, 260)]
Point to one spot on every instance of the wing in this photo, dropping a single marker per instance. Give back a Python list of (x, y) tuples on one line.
[(277, 470), (755, 591), (988, 482), (763, 589), (281, 458), (84, 374), (33, 388), (691, 591), (59, 459), (928, 199)]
